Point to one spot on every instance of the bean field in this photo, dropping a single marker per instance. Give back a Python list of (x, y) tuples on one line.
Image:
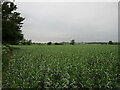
[(62, 66)]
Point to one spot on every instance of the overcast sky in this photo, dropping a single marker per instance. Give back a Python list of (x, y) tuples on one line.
[(63, 21)]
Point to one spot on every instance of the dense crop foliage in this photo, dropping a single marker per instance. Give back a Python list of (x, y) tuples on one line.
[(6, 55), (64, 66)]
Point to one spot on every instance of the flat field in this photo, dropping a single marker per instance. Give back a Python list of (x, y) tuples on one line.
[(63, 66)]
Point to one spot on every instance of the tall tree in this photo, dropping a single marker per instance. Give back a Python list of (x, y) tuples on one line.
[(11, 24)]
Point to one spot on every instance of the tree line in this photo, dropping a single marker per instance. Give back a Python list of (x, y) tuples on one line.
[(72, 42)]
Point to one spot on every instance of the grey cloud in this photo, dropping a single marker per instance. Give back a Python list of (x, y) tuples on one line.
[(65, 21)]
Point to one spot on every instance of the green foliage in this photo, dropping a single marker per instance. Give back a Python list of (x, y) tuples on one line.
[(63, 66), (72, 42), (29, 42), (110, 42), (25, 42), (11, 24), (6, 55), (58, 43), (49, 43)]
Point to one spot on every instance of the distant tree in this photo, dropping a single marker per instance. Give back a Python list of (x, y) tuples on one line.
[(11, 23), (25, 42), (58, 43), (110, 42), (29, 42), (72, 42), (49, 43)]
